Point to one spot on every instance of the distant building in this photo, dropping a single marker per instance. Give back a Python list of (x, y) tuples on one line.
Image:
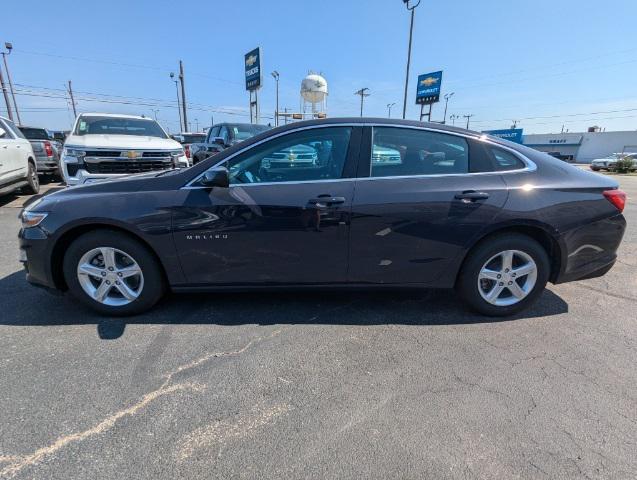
[(583, 147)]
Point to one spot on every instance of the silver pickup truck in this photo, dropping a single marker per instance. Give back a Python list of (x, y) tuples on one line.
[(46, 150)]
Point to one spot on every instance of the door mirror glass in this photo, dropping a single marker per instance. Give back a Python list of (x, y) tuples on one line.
[(219, 141), (216, 177)]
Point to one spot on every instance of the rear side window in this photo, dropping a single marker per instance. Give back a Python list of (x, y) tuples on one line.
[(404, 152), (504, 160)]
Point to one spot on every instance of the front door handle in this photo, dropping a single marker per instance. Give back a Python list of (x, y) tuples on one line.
[(326, 201), (469, 196)]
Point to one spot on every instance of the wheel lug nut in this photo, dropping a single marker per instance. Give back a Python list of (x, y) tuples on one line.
[(116, 282), (501, 284), (108, 282), (499, 276), (110, 268), (510, 283), (119, 274), (506, 270), (103, 274)]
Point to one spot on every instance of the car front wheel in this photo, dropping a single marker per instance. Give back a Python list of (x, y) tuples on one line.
[(504, 274), (113, 273)]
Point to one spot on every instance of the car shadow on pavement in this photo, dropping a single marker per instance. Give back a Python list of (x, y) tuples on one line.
[(23, 305)]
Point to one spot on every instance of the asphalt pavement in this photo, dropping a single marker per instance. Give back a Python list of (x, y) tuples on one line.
[(317, 385)]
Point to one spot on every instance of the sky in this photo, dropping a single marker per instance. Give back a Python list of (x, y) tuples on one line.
[(546, 65)]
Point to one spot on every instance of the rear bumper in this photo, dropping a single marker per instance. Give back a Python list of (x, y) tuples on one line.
[(591, 250), (46, 164)]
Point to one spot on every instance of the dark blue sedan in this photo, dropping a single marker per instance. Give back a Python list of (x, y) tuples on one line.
[(337, 203)]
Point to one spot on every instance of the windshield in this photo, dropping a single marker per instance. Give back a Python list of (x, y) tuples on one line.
[(118, 126), (243, 132), (35, 133)]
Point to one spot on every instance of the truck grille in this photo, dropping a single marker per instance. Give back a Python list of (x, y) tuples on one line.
[(118, 154), (103, 153), (126, 167)]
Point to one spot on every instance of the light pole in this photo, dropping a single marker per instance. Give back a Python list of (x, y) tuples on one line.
[(155, 110), (275, 74), (183, 93), (363, 93), (411, 32), (172, 76), (468, 117), (196, 124), (447, 97), (453, 117), (9, 47), (389, 105)]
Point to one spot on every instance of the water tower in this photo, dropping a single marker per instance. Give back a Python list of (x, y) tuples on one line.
[(314, 92)]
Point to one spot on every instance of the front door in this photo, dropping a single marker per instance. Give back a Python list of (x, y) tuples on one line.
[(284, 219), (418, 206)]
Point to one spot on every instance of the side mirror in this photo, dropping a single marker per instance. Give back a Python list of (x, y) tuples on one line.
[(2, 132), (217, 177), (219, 141)]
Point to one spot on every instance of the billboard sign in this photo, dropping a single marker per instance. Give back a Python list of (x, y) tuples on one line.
[(428, 88), (511, 134), (253, 69)]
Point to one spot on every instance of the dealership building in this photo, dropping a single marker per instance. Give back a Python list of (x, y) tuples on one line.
[(583, 147)]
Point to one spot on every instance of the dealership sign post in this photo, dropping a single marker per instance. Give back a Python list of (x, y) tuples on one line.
[(428, 91), (254, 79), (510, 134)]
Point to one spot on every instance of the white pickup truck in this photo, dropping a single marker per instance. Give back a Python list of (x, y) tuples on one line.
[(103, 145), (17, 161)]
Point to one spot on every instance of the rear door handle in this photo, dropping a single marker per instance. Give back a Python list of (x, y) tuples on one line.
[(326, 201), (469, 196)]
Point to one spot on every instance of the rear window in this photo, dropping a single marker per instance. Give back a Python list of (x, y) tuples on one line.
[(118, 126), (504, 160), (35, 133)]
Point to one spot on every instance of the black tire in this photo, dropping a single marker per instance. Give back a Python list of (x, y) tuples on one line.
[(595, 169), (33, 186), (467, 284), (154, 283)]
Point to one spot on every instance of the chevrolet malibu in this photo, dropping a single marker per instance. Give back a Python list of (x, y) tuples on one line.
[(452, 209)]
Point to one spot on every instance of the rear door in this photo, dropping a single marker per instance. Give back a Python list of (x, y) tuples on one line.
[(12, 151), (284, 219), (418, 204)]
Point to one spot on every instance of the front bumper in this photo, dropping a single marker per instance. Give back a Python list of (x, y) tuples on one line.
[(591, 250), (35, 256)]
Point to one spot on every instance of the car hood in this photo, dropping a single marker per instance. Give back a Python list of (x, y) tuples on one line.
[(122, 141)]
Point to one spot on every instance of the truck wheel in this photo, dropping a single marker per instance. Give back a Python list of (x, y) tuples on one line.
[(33, 186)]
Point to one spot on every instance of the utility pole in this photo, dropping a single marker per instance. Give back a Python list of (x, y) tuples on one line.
[(172, 76), (389, 105), (196, 124), (411, 32), (468, 117), (72, 100), (155, 110), (275, 74), (9, 47), (363, 93), (6, 96), (183, 92), (286, 115), (447, 97), (515, 124)]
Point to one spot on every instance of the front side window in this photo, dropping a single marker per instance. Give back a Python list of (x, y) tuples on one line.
[(313, 154), (214, 132), (505, 160), (404, 152), (98, 125), (6, 134), (15, 130)]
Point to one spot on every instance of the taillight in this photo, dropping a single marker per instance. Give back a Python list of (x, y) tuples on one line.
[(617, 198), (48, 148), (187, 151)]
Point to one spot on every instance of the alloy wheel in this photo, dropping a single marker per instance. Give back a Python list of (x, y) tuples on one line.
[(507, 278), (110, 276)]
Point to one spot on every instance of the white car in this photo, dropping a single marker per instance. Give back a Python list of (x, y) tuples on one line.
[(17, 160), (608, 163), (104, 145)]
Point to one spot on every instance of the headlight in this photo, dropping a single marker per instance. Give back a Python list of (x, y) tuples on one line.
[(32, 219), (72, 155), (177, 153)]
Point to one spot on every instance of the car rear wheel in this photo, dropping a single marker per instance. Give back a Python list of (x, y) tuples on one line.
[(33, 183), (113, 273), (504, 274)]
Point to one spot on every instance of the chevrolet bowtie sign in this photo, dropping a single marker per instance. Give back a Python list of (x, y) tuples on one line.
[(428, 88), (253, 69)]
